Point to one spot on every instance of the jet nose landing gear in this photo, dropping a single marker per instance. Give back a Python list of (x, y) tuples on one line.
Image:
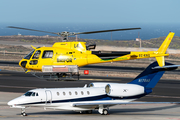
[(23, 112)]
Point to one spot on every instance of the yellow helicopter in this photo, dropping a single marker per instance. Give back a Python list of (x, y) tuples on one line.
[(63, 59)]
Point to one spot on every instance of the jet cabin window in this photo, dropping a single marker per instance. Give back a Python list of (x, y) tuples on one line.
[(36, 54), (47, 54)]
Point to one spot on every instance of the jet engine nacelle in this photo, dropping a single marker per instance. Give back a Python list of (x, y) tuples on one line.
[(98, 84), (123, 90)]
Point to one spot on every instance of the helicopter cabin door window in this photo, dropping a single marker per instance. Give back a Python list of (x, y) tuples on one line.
[(36, 54), (47, 54)]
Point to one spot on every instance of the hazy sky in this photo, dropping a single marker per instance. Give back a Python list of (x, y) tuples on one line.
[(90, 11)]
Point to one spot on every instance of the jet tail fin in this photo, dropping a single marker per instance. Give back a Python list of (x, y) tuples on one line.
[(152, 74)]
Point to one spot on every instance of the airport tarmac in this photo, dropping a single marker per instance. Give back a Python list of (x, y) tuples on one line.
[(14, 84), (123, 112)]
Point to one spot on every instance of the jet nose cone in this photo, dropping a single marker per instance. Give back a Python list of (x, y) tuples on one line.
[(13, 102), (10, 102)]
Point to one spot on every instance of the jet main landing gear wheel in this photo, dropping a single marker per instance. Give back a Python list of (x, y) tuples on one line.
[(105, 112)]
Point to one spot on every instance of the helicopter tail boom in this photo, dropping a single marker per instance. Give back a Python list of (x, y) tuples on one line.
[(111, 56)]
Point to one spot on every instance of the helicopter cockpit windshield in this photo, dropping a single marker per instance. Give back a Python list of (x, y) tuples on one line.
[(29, 55), (36, 54)]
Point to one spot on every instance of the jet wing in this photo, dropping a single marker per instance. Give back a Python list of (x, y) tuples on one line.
[(119, 103)]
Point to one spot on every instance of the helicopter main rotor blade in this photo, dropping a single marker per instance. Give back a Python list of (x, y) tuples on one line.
[(107, 31), (33, 30), (65, 33)]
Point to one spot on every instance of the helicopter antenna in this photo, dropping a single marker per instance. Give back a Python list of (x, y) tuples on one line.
[(76, 38), (65, 34)]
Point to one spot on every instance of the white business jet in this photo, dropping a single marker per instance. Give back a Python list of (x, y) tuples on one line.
[(97, 95)]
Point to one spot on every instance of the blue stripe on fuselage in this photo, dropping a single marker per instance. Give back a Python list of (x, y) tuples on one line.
[(92, 98)]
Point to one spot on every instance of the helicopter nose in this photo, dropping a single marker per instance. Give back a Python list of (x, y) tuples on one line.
[(23, 63)]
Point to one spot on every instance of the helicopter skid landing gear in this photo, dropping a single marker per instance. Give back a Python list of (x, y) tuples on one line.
[(23, 113), (67, 76), (57, 76)]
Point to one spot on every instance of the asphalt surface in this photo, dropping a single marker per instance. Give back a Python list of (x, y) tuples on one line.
[(165, 90), (13, 84), (118, 112)]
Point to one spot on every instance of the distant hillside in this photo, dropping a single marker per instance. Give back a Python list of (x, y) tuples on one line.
[(152, 43)]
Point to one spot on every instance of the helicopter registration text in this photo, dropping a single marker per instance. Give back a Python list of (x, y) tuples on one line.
[(64, 59), (144, 55)]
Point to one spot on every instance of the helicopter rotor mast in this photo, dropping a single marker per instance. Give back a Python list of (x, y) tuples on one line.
[(65, 34)]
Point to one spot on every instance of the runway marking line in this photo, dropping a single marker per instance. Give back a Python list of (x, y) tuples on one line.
[(174, 118), (5, 75), (4, 107), (162, 96)]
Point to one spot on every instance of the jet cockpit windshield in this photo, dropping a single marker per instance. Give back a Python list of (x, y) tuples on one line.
[(28, 93), (29, 55), (31, 94)]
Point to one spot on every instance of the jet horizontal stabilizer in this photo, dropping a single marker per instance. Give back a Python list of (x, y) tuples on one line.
[(168, 67)]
